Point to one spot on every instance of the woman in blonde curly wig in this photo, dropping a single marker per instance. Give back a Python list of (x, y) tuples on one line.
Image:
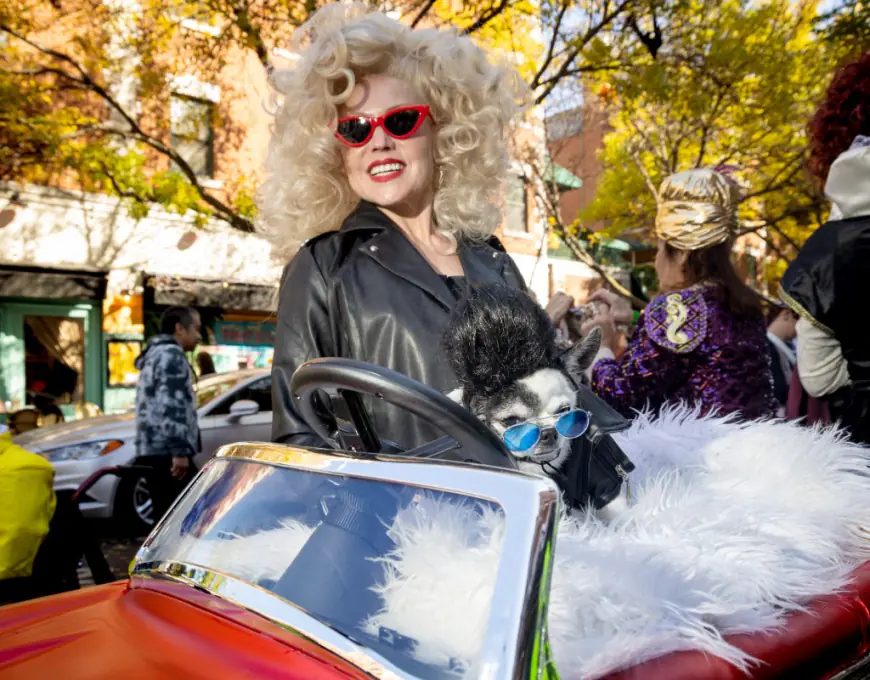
[(389, 151)]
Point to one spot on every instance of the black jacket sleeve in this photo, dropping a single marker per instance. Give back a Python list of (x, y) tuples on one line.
[(303, 333)]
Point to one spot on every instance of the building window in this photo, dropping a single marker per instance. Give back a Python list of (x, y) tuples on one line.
[(516, 206), (192, 133), (565, 124)]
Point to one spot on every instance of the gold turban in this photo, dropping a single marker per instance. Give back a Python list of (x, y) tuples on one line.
[(697, 209)]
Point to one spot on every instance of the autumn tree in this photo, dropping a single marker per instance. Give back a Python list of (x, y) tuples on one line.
[(86, 83), (847, 22), (733, 84)]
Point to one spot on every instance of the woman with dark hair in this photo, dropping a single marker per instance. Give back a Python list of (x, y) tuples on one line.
[(205, 364), (825, 284), (703, 341)]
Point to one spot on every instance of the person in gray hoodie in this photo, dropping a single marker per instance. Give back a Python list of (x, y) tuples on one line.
[(167, 429)]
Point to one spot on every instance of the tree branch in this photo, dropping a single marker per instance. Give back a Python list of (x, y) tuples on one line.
[(222, 211), (772, 224), (428, 5), (242, 20), (548, 58), (646, 176), (652, 42), (592, 31), (123, 193), (487, 17)]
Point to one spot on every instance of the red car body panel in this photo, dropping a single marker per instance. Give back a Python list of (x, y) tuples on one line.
[(168, 631), (159, 632), (833, 633)]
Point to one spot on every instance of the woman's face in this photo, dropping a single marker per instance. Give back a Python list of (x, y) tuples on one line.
[(670, 269), (391, 173)]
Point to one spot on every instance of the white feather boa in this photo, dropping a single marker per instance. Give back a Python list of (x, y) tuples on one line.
[(732, 526)]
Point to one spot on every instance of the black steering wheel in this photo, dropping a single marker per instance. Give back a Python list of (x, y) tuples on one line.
[(351, 378)]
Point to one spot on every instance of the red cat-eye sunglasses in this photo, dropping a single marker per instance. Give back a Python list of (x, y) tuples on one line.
[(399, 123)]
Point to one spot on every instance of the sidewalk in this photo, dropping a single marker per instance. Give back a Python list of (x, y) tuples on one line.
[(119, 553)]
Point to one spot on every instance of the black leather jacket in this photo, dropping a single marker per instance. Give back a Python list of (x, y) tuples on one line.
[(364, 292), (825, 285)]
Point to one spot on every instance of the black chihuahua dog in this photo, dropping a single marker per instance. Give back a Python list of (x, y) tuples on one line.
[(512, 375)]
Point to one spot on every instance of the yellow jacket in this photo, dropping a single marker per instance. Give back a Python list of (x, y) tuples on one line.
[(27, 505)]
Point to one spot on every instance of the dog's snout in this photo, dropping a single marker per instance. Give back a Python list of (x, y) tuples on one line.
[(548, 437)]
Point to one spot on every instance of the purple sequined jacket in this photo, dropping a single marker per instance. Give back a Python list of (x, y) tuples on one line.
[(689, 348)]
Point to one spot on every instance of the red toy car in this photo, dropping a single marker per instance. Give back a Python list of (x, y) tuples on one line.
[(282, 563)]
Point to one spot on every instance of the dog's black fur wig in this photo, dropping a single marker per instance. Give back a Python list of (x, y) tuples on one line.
[(496, 336)]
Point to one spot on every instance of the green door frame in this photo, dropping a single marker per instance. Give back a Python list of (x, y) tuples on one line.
[(12, 313)]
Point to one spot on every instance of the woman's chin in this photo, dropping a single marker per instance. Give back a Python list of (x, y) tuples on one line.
[(398, 197)]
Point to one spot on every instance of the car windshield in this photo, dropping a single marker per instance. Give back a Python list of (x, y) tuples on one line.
[(212, 387), (342, 549)]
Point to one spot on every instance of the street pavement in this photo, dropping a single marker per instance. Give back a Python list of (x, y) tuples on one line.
[(119, 553)]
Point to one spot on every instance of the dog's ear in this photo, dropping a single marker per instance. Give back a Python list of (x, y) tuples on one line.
[(456, 395), (580, 356)]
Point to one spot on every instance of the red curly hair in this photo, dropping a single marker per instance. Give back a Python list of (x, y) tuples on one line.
[(843, 115)]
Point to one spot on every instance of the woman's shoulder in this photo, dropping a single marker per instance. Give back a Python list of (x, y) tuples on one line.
[(327, 252), (827, 244), (835, 252), (695, 318), (321, 245)]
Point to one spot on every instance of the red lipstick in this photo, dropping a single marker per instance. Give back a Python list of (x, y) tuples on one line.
[(398, 169)]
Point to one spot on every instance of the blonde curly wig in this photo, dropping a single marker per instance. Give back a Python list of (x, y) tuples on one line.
[(473, 101)]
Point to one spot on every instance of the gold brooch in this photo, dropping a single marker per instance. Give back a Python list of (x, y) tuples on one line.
[(678, 314)]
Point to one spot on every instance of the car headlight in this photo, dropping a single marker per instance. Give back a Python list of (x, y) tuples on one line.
[(84, 451)]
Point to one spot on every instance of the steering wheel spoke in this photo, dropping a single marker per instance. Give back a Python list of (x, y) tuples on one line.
[(441, 448), (355, 430)]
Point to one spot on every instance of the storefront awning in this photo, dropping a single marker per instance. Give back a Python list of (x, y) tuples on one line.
[(51, 283), (563, 178), (616, 244), (176, 290)]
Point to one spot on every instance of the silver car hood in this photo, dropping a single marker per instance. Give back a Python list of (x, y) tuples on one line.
[(121, 426)]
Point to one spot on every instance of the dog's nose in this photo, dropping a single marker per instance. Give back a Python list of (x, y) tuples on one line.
[(548, 438)]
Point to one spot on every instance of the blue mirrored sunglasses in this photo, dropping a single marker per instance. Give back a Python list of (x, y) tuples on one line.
[(526, 435)]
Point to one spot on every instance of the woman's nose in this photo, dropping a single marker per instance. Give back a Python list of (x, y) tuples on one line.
[(381, 141)]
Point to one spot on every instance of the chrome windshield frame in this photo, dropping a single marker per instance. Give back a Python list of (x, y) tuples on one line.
[(512, 645)]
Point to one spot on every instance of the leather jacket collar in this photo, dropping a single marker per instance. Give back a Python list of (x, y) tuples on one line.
[(388, 246)]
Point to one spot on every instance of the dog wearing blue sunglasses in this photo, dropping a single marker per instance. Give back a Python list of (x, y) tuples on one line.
[(502, 348)]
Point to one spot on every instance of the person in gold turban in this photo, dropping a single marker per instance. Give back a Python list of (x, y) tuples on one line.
[(702, 341), (697, 209)]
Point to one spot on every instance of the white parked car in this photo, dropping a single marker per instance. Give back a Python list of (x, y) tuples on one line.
[(232, 407)]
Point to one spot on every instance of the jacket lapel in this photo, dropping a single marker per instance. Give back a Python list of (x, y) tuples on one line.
[(395, 253), (390, 249), (481, 265)]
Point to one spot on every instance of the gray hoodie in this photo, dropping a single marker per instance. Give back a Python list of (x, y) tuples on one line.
[(166, 421)]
